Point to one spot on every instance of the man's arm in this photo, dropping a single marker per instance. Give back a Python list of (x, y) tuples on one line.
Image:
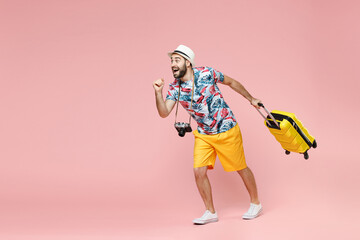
[(239, 88), (164, 107)]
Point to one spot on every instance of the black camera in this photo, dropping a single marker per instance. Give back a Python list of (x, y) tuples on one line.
[(182, 128)]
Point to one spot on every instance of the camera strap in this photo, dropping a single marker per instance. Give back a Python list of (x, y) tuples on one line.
[(192, 96)]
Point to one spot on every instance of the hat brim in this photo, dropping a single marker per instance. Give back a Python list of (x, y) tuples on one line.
[(186, 57)]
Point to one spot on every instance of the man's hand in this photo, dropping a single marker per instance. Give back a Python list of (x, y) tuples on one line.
[(159, 85), (255, 102), (164, 107)]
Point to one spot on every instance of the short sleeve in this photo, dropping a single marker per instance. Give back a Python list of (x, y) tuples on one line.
[(173, 91), (218, 76)]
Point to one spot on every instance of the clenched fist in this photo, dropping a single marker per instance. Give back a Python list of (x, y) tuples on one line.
[(158, 85)]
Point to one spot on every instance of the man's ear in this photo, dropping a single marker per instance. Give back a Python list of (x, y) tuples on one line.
[(188, 63)]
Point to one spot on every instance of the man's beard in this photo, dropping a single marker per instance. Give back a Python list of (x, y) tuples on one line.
[(181, 73)]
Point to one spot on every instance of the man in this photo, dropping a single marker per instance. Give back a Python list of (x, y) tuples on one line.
[(218, 133)]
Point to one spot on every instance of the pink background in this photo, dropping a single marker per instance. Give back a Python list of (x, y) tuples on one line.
[(84, 154)]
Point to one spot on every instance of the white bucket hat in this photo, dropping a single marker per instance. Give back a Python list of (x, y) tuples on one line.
[(185, 52)]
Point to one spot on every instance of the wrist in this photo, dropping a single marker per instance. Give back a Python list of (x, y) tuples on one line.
[(158, 92)]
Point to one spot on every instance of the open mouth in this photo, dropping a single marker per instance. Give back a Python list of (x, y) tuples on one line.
[(175, 71)]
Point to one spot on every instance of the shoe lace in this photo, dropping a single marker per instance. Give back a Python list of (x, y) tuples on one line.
[(251, 209), (205, 214)]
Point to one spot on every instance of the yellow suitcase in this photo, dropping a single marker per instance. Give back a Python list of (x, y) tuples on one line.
[(289, 132)]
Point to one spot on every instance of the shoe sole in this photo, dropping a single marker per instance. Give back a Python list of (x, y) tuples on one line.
[(203, 223), (249, 218)]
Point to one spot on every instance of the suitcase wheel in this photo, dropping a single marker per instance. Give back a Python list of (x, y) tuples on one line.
[(314, 145), (306, 155), (287, 152)]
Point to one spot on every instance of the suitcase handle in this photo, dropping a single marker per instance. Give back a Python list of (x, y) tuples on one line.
[(271, 116)]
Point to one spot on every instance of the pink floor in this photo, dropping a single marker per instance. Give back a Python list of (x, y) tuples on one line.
[(297, 205)]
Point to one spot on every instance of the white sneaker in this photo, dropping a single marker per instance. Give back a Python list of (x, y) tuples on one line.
[(208, 217), (253, 211)]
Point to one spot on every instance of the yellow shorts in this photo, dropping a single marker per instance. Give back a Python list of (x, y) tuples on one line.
[(228, 146)]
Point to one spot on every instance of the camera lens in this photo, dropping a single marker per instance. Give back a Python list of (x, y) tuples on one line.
[(182, 132)]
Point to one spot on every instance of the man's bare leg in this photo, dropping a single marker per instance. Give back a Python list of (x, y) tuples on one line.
[(249, 181), (204, 187)]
